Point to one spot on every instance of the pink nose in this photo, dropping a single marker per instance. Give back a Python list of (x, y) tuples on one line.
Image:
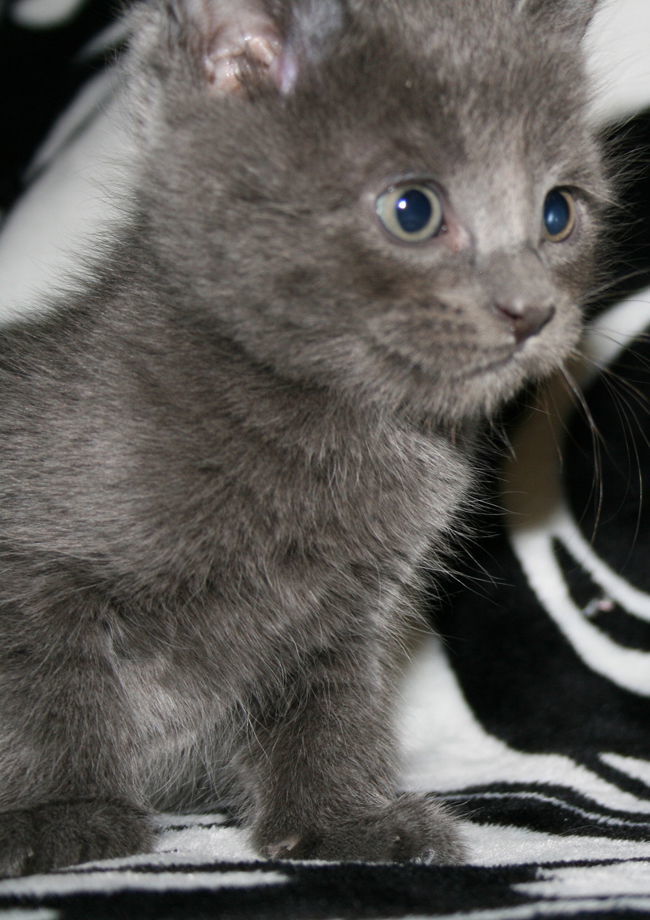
[(526, 320)]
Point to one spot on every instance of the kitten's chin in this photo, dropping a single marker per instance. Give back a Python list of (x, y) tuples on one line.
[(485, 389), (466, 392)]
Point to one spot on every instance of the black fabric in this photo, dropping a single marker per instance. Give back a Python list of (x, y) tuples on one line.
[(530, 717), (41, 68)]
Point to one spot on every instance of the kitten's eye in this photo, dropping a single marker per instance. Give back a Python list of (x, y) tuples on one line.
[(411, 212), (559, 215)]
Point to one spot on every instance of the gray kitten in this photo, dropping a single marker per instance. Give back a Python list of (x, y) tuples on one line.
[(359, 227)]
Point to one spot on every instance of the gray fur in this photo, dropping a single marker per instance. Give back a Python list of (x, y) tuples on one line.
[(227, 462), (569, 16)]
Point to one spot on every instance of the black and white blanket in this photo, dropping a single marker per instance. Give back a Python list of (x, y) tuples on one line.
[(531, 713)]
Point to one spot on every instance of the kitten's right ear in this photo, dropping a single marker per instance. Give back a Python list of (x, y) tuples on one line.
[(219, 43)]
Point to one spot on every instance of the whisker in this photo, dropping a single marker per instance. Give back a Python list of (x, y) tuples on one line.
[(612, 285), (621, 391), (612, 379), (597, 443)]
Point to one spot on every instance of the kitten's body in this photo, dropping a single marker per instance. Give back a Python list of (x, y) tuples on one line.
[(226, 464)]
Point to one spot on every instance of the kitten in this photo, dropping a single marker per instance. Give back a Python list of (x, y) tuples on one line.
[(359, 227)]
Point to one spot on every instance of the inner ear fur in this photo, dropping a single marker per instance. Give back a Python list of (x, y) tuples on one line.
[(229, 38), (274, 39)]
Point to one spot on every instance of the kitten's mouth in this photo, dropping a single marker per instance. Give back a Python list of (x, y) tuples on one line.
[(424, 365), (482, 374), (524, 357), (428, 373), (464, 389), (485, 369)]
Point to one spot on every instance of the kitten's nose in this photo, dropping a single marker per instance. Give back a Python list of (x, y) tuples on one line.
[(525, 320)]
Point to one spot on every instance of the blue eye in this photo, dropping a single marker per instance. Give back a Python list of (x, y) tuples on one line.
[(559, 215), (412, 212)]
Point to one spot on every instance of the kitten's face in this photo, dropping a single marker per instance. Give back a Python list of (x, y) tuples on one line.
[(413, 224)]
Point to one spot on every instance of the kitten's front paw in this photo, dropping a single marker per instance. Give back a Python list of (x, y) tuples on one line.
[(410, 828), (64, 833)]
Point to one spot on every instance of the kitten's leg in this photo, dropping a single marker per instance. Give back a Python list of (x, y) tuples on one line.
[(321, 773), (67, 748), (57, 834)]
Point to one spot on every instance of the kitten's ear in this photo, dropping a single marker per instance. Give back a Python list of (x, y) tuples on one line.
[(225, 41), (570, 16)]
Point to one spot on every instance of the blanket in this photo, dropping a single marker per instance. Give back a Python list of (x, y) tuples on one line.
[(527, 706)]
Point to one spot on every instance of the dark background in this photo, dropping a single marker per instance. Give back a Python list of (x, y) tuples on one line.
[(40, 71)]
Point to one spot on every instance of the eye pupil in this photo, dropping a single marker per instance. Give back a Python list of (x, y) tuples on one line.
[(558, 215), (413, 211)]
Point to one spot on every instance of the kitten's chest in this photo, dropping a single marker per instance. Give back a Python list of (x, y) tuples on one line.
[(396, 497), (299, 482), (325, 556)]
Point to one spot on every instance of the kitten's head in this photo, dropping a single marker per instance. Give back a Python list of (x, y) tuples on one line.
[(397, 200)]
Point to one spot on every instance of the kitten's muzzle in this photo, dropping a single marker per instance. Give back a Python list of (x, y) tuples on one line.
[(520, 290)]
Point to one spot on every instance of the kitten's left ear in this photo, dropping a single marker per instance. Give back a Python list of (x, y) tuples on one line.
[(275, 39), (570, 16)]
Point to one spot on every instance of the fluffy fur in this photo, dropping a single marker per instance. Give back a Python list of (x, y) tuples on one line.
[(228, 460)]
